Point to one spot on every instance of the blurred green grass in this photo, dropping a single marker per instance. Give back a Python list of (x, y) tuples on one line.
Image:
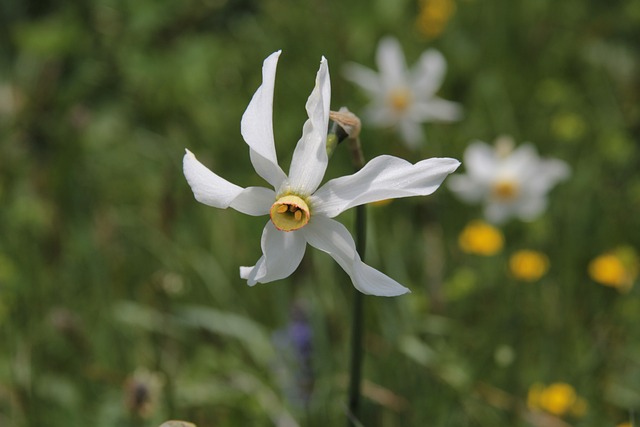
[(108, 265)]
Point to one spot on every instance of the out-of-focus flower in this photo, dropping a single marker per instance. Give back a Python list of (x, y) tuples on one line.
[(403, 98), (568, 126), (509, 182), (296, 345), (142, 391), (528, 265), (625, 424), (433, 16), (559, 399), (301, 212), (617, 269), (481, 238), (504, 355)]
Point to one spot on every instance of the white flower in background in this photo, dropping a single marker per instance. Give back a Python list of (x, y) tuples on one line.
[(301, 212), (404, 98), (510, 182)]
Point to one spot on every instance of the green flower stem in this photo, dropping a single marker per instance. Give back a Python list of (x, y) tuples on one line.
[(355, 361), (335, 136)]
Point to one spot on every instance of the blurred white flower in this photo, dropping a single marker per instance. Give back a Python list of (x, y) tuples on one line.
[(403, 98), (510, 182), (301, 212)]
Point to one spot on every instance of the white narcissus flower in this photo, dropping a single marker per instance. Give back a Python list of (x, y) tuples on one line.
[(301, 212), (510, 182), (404, 98)]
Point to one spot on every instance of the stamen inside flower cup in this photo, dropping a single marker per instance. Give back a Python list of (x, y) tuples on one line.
[(505, 190), (400, 99), (290, 213)]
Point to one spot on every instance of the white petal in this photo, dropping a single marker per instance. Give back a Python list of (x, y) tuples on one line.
[(364, 77), (411, 132), (548, 174), (522, 160), (384, 177), (531, 207), (333, 238), (480, 161), (436, 110), (254, 201), (467, 188), (498, 213), (282, 253), (391, 63), (257, 126), (207, 187), (309, 160), (210, 189), (380, 115), (429, 73)]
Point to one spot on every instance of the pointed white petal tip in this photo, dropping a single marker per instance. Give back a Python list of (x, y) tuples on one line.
[(389, 293), (244, 274)]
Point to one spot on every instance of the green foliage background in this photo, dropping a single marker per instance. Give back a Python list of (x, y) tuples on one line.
[(108, 265)]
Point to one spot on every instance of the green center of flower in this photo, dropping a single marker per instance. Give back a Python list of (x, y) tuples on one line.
[(290, 213), (400, 99), (505, 190)]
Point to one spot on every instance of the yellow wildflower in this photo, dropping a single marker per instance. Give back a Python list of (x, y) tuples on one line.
[(617, 269), (625, 424), (559, 399), (433, 16), (481, 238), (528, 265)]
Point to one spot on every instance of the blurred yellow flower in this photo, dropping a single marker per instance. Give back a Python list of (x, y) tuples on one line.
[(480, 238), (568, 126), (433, 16), (528, 265), (559, 399), (617, 269), (626, 424)]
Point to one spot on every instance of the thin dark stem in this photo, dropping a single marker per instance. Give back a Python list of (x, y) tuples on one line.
[(355, 362), (357, 325)]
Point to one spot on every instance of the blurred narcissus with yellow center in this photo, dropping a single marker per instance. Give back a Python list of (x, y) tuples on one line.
[(559, 399), (403, 98), (481, 238), (617, 269), (508, 181), (302, 211), (528, 265)]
